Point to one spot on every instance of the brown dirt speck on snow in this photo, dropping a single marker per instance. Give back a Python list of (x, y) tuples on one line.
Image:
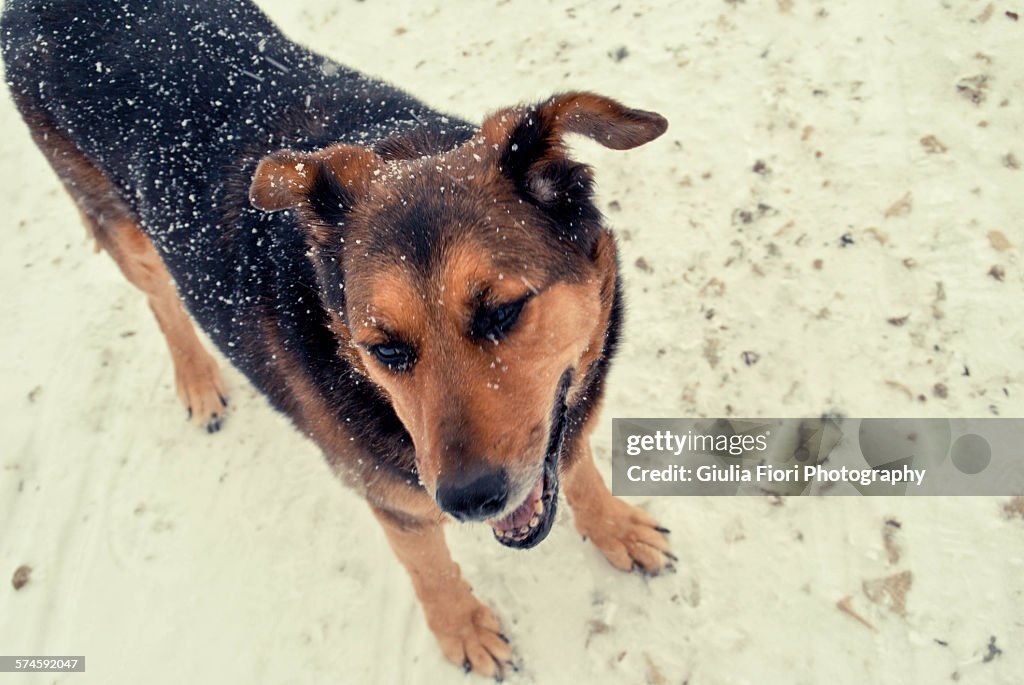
[(1014, 508), (973, 88), (890, 591), (933, 145), (893, 551), (902, 206), (845, 605), (21, 576), (999, 241)]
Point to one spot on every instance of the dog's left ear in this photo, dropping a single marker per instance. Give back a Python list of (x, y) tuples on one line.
[(529, 141)]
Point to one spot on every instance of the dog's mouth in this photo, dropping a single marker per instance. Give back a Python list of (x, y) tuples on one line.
[(529, 523)]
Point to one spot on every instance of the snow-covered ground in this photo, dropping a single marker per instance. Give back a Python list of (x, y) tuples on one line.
[(832, 224)]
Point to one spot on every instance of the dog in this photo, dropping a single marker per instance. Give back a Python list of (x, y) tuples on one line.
[(434, 303)]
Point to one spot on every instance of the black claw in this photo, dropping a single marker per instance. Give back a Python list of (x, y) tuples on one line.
[(223, 400), (503, 638), (189, 414), (466, 666), (662, 529), (671, 556)]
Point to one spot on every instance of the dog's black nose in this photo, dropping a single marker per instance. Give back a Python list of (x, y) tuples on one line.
[(474, 497)]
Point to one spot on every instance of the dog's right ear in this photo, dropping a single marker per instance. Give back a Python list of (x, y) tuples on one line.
[(327, 180), (325, 184)]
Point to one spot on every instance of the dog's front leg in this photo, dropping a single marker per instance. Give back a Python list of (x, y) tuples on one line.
[(628, 536), (468, 632)]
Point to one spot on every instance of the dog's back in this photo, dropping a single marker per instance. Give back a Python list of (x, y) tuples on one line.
[(161, 96), (174, 103), (150, 77)]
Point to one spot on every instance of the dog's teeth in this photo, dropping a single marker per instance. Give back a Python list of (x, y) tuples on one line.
[(524, 530), (534, 521), (538, 507)]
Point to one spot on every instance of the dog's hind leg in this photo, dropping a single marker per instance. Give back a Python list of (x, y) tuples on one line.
[(197, 378), (467, 631), (628, 537), (109, 220)]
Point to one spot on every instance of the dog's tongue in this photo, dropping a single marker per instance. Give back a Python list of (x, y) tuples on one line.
[(521, 516)]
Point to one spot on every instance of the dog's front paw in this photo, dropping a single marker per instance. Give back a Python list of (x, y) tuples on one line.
[(201, 390), (470, 635), (629, 537)]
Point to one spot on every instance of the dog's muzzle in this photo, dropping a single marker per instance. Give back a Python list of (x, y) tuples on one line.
[(529, 523)]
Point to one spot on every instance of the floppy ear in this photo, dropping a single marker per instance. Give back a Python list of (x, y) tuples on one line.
[(530, 144), (602, 119), (328, 181), (599, 118)]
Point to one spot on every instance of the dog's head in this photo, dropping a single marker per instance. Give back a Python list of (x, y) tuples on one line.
[(474, 288)]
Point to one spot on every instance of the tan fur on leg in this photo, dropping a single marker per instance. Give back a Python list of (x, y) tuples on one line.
[(196, 375), (629, 537), (467, 631)]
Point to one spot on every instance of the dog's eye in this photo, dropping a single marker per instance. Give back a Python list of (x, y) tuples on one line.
[(394, 355), (494, 324)]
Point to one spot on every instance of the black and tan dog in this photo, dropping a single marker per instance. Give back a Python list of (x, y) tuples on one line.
[(434, 303)]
